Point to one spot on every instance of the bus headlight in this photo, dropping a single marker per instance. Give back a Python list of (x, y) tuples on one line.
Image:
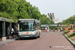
[(34, 32)]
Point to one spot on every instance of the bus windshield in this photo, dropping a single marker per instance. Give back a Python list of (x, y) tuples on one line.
[(26, 26)]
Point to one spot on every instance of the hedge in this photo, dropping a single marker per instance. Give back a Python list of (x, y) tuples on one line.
[(65, 32)]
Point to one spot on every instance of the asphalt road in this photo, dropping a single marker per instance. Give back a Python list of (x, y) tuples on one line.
[(47, 41)]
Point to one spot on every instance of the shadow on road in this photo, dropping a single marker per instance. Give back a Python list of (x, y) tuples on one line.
[(26, 38)]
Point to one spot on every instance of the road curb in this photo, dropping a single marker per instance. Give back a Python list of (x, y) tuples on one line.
[(72, 42)]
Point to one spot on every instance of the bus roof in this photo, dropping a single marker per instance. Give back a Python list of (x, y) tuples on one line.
[(26, 19), (29, 20)]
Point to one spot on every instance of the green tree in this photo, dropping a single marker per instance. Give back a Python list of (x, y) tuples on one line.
[(44, 19), (20, 9), (70, 20)]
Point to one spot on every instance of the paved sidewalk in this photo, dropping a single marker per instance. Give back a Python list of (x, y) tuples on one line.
[(7, 41)]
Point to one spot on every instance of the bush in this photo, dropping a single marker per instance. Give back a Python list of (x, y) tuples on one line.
[(71, 34), (72, 38), (69, 28), (65, 32)]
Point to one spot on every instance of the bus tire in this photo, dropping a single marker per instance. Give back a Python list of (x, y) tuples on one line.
[(39, 36)]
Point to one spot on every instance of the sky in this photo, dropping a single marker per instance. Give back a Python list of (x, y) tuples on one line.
[(62, 9)]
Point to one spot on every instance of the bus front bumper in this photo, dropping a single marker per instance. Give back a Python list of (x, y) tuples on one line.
[(26, 36)]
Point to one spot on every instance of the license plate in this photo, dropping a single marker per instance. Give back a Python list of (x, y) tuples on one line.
[(26, 36)]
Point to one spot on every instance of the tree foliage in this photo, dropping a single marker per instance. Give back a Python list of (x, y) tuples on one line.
[(44, 19), (20, 9), (70, 20)]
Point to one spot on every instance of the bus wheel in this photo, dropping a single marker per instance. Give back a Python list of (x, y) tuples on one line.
[(39, 36), (35, 37)]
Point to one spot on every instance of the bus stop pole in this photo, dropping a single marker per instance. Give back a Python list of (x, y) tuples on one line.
[(3, 32)]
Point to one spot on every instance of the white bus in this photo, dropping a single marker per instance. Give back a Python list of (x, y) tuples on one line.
[(28, 28)]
